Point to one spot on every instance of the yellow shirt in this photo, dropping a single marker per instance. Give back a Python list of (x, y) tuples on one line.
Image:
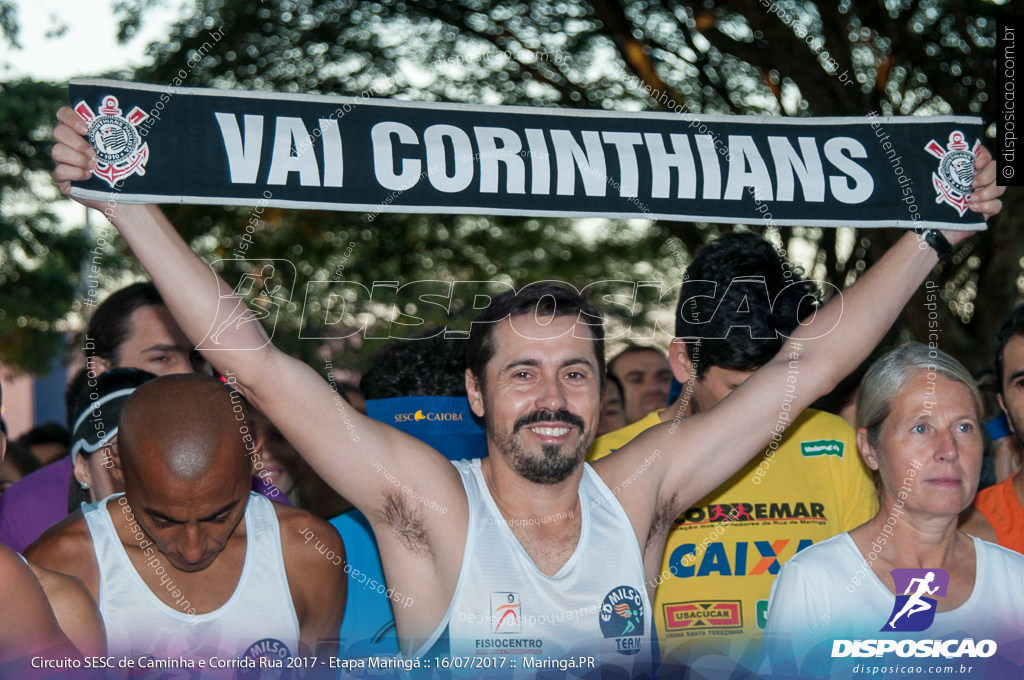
[(607, 443), (717, 572)]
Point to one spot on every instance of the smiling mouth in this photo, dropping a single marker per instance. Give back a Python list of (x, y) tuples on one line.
[(551, 431)]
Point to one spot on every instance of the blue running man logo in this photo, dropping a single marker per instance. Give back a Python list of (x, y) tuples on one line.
[(914, 610)]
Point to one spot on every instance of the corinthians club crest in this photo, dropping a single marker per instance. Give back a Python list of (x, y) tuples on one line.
[(120, 151), (952, 180)]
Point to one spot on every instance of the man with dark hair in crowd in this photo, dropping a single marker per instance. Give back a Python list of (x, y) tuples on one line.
[(42, 613), (575, 538), (645, 377), (424, 365), (998, 511), (613, 410), (418, 385), (131, 328), (188, 561), (817, 485), (47, 442)]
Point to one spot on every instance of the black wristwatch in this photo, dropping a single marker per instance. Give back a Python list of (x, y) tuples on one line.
[(939, 243)]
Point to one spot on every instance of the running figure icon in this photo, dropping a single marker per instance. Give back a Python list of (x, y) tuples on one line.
[(915, 603), (263, 289), (243, 313)]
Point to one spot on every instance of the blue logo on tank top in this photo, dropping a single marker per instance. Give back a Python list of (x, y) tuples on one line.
[(622, 618), (271, 659)]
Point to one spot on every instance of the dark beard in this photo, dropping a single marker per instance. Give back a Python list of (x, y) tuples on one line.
[(554, 466), (551, 469), (1018, 432)]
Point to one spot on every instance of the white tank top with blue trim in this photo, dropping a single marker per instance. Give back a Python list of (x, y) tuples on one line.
[(506, 615)]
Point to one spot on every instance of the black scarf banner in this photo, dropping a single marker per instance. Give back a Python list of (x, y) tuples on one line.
[(168, 144)]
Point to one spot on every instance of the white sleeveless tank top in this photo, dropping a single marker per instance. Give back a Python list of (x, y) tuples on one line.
[(258, 620), (595, 608)]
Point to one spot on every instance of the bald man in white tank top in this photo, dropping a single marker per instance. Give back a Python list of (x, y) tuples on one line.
[(188, 565)]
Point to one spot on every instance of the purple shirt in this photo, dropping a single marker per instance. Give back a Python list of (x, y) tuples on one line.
[(33, 504)]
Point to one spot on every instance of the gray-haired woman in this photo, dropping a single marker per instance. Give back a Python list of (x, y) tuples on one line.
[(907, 577)]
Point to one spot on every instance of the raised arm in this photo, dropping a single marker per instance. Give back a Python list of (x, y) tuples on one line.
[(299, 401), (690, 458), (382, 471)]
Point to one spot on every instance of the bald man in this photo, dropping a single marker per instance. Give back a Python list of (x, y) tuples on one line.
[(187, 562)]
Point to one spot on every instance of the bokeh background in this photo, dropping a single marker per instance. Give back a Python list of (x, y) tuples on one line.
[(905, 57)]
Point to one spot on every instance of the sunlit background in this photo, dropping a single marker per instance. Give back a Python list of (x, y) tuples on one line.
[(902, 58)]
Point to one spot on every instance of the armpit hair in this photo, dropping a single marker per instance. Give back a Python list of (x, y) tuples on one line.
[(405, 522), (663, 518)]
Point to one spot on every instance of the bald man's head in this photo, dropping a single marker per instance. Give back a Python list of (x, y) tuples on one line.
[(184, 445), (184, 426)]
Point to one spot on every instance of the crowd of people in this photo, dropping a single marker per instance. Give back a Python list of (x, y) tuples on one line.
[(513, 500)]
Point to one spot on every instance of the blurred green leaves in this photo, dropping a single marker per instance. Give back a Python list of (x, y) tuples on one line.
[(742, 56)]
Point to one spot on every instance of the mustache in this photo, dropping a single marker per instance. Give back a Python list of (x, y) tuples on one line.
[(561, 415)]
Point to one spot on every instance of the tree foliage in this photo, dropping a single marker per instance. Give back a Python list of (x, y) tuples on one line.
[(785, 58), (39, 258)]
